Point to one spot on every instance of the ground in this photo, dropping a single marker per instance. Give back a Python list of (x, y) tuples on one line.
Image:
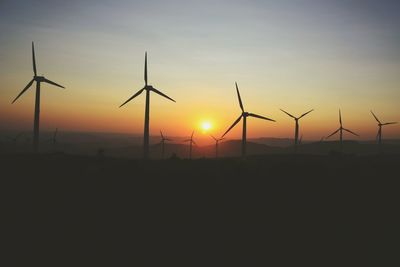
[(274, 210)]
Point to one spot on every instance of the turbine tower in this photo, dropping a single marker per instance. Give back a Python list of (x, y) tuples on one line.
[(191, 142), (296, 129), (163, 139), (301, 139), (54, 139), (148, 88), (38, 80), (379, 134), (244, 115), (340, 130), (217, 140)]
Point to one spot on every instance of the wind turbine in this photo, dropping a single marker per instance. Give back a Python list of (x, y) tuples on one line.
[(217, 140), (39, 80), (379, 134), (148, 88), (340, 130), (244, 115), (163, 139), (53, 140), (191, 142), (296, 129), (301, 139)]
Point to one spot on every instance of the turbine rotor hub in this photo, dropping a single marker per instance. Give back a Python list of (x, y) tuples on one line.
[(39, 78)]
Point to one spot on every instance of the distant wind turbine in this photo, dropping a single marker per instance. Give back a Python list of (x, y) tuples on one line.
[(244, 115), (53, 140), (191, 142), (217, 140), (296, 129), (163, 139), (38, 79), (379, 134), (147, 88), (340, 130)]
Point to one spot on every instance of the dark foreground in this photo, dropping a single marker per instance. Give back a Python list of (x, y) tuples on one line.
[(65, 210)]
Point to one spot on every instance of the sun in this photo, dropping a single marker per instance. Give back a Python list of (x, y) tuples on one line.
[(206, 126)]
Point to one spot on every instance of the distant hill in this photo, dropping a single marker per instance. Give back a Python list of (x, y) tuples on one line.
[(272, 141), (130, 145)]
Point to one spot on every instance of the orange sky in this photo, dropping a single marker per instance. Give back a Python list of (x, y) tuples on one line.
[(324, 56)]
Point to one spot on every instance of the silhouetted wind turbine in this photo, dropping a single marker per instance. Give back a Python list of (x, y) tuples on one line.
[(54, 140), (217, 140), (146, 88), (340, 130), (296, 129), (191, 142), (163, 139), (379, 134), (38, 79), (301, 139), (244, 115)]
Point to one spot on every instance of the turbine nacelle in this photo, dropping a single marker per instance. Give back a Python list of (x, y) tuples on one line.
[(39, 78)]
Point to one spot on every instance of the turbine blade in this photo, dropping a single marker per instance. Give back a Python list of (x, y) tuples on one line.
[(167, 139), (340, 118), (213, 137), (347, 130), (388, 123), (260, 117), (240, 99), (33, 59), (233, 125), (191, 137), (161, 94), (194, 142), (53, 83), (145, 68), (187, 140), (23, 90), (375, 117), (288, 114), (332, 133), (132, 97), (162, 136), (305, 113)]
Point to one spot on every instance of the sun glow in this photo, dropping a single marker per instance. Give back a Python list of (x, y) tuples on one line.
[(206, 126)]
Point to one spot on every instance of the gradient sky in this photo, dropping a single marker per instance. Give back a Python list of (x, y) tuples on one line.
[(295, 55)]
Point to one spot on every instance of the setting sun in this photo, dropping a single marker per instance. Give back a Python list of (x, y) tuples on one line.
[(206, 126)]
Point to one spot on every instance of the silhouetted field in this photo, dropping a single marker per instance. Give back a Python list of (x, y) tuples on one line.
[(337, 210)]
